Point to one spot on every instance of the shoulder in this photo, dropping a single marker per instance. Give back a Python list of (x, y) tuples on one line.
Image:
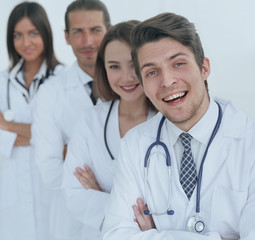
[(3, 83), (97, 114), (92, 121), (147, 129), (56, 82), (235, 123), (4, 76), (58, 69)]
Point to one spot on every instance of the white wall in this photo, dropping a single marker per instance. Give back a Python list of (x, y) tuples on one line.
[(226, 28)]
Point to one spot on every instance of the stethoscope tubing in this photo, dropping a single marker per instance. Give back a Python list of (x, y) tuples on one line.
[(199, 181), (105, 130), (48, 73), (168, 158)]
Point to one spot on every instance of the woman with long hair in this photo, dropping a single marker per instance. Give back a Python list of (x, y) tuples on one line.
[(23, 199)]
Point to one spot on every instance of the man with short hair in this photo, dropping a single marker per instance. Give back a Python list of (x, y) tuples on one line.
[(189, 172), (61, 101)]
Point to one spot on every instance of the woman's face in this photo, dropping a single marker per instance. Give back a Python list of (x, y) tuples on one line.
[(27, 40), (120, 71)]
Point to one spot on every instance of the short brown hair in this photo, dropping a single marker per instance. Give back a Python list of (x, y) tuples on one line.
[(89, 5), (166, 25)]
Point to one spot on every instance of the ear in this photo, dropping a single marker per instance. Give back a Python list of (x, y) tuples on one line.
[(206, 69), (67, 37)]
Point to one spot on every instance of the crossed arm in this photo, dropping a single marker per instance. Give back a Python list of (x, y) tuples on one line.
[(22, 130), (88, 181)]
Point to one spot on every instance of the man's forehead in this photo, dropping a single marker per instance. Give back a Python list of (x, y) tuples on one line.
[(87, 18)]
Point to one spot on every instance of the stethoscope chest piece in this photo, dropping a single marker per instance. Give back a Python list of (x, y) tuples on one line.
[(195, 224), (9, 115), (114, 165)]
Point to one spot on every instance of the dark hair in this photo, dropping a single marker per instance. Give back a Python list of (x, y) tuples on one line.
[(36, 13), (101, 86), (166, 25), (88, 5)]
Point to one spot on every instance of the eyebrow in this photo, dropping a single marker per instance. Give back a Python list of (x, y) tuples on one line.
[(81, 27), (170, 58), (98, 26), (112, 61)]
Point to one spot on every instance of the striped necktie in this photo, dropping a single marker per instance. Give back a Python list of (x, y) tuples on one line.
[(188, 173)]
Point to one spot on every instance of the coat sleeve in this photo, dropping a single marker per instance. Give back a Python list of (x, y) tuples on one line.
[(85, 205), (7, 139), (47, 136), (247, 226), (128, 186)]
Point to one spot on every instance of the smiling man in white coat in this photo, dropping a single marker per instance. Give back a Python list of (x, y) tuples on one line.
[(198, 178), (59, 104)]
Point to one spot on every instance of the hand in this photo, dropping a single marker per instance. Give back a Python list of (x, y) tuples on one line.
[(3, 122), (87, 178), (145, 222)]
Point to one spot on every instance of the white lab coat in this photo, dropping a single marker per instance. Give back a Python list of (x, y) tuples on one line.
[(59, 105), (24, 201), (87, 146), (227, 193)]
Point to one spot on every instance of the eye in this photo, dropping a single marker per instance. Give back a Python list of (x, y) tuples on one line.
[(17, 35), (96, 30), (115, 66), (151, 73), (76, 31), (34, 33), (179, 64)]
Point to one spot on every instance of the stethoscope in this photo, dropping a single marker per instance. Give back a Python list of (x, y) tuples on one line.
[(194, 223), (113, 163), (9, 114)]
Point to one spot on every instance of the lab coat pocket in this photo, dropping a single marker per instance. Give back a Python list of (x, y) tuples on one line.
[(8, 186), (227, 206)]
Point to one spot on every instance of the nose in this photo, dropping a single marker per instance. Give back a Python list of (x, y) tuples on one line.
[(26, 41), (87, 39), (129, 74), (167, 78)]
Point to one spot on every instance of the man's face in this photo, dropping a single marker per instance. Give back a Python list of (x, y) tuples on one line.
[(173, 81), (86, 32)]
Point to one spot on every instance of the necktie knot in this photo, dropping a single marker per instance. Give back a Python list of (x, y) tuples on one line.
[(186, 140)]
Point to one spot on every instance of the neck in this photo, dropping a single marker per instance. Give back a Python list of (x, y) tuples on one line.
[(89, 69), (33, 66), (31, 69), (188, 124), (131, 114), (134, 108)]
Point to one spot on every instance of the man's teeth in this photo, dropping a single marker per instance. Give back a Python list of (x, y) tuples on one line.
[(177, 95), (129, 87)]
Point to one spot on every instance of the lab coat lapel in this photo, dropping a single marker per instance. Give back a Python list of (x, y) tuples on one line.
[(216, 156), (219, 149)]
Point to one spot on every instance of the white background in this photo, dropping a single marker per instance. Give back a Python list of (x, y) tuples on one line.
[(226, 28)]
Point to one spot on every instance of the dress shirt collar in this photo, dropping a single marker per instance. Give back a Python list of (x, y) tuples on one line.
[(83, 76), (202, 130)]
